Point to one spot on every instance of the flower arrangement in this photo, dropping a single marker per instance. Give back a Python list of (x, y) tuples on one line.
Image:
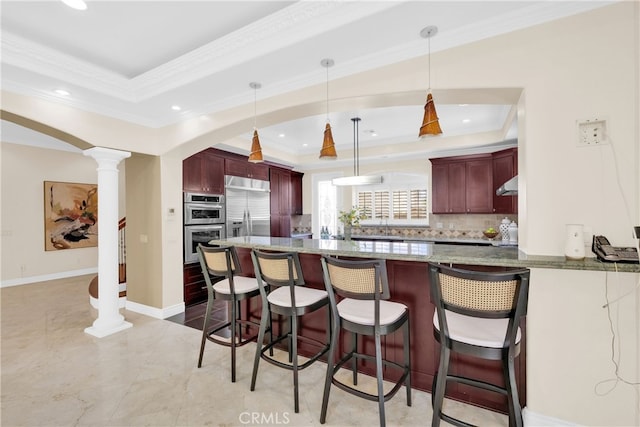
[(352, 217)]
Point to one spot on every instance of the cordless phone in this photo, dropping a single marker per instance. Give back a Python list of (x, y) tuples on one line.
[(606, 252)]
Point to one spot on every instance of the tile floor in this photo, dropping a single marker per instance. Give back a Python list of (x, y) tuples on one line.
[(54, 374)]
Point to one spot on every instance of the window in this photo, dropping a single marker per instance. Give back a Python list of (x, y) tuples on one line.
[(325, 204), (400, 199)]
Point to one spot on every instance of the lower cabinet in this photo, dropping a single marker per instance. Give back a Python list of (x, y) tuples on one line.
[(409, 284), (195, 288)]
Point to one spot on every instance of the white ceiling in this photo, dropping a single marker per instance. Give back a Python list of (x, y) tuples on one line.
[(134, 60)]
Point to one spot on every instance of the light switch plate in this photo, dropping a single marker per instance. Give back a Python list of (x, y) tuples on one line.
[(592, 132)]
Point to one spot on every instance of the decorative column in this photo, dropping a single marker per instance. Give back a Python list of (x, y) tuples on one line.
[(109, 319)]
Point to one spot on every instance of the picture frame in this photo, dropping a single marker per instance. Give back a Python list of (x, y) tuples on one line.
[(70, 215)]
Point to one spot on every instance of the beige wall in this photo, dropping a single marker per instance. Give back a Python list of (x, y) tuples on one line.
[(580, 67), (144, 234)]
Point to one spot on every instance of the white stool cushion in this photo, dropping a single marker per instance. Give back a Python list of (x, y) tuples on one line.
[(241, 285), (363, 311), (304, 296), (476, 331)]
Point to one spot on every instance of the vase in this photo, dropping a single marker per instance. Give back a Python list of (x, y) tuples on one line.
[(504, 229), (347, 232)]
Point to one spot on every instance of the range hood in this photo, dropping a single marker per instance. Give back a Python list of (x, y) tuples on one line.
[(509, 188)]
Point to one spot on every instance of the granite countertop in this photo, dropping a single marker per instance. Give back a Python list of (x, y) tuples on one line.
[(505, 256)]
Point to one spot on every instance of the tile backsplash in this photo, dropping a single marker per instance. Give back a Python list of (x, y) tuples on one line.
[(301, 223), (447, 226)]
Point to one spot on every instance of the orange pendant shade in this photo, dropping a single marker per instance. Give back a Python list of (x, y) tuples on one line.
[(256, 150), (328, 150), (430, 125)]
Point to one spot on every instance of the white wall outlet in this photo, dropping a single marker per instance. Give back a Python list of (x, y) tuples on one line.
[(592, 132)]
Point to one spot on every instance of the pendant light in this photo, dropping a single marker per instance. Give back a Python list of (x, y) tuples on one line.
[(356, 179), (328, 150), (430, 125), (256, 151)]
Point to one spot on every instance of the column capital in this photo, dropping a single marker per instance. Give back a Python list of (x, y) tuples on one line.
[(106, 156)]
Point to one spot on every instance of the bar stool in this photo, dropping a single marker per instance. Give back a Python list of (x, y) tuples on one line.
[(223, 262), (478, 314), (283, 292), (364, 310)]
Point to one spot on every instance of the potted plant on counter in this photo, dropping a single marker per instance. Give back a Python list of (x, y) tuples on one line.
[(350, 219)]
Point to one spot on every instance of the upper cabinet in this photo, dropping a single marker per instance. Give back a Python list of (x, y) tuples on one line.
[(505, 167), (203, 173), (280, 202), (246, 169), (467, 184), (296, 193), (462, 184)]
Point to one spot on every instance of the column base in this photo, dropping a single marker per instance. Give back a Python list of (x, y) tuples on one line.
[(103, 332)]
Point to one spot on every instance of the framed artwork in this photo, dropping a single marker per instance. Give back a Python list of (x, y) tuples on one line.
[(70, 215)]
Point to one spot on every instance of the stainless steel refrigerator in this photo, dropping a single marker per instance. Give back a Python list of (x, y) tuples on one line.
[(248, 206)]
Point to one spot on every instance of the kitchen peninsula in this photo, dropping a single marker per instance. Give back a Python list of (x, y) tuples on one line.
[(409, 284)]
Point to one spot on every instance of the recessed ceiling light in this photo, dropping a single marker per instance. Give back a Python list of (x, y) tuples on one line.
[(463, 105), (76, 4), (282, 135), (466, 120), (305, 145), (176, 108), (62, 92)]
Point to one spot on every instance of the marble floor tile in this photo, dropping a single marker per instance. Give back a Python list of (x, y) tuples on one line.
[(54, 374)]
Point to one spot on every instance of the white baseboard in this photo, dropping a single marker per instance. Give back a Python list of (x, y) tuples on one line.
[(158, 313), (532, 419), (46, 277)]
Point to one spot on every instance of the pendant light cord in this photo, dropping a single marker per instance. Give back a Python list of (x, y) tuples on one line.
[(356, 146), (327, 93), (429, 58), (255, 108)]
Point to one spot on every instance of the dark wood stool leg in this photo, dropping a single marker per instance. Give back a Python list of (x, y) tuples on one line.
[(441, 385)]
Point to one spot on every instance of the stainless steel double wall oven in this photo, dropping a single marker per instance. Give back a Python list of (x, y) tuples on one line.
[(204, 220)]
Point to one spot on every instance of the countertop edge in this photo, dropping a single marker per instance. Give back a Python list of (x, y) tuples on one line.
[(428, 252)]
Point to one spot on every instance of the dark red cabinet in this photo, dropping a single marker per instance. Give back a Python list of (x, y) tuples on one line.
[(195, 288), (203, 173), (246, 169), (462, 185), (505, 167), (280, 202), (479, 186), (296, 193), (467, 184)]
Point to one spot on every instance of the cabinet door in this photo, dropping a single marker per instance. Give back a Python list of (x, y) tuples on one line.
[(504, 168), (479, 186), (457, 187), (212, 173), (258, 171), (440, 188), (296, 193), (280, 192), (192, 173), (246, 169), (236, 167)]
